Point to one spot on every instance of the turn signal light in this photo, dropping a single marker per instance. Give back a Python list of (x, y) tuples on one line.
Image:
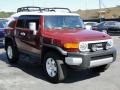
[(71, 45)]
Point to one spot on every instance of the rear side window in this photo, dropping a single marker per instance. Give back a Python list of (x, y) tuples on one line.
[(11, 24), (32, 18), (21, 22), (109, 23)]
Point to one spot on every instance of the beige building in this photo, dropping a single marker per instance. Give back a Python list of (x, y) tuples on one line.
[(106, 13)]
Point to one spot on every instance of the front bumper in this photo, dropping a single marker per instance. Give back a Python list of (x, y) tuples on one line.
[(84, 60)]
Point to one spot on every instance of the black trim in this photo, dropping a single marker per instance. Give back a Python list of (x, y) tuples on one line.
[(11, 38), (28, 53), (29, 44), (57, 48), (33, 8), (89, 56)]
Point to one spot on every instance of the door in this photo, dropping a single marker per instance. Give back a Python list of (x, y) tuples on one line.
[(27, 37)]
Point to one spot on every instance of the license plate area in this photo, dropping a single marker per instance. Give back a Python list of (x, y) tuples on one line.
[(97, 46)]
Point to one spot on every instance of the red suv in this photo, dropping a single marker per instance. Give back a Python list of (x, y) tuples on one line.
[(58, 38)]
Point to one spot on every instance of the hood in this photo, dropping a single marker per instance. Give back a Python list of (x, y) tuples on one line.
[(76, 35)]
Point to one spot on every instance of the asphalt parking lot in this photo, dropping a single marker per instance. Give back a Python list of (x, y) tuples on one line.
[(27, 75)]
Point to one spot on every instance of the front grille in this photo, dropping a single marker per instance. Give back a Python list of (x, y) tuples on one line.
[(114, 31), (101, 57), (99, 46)]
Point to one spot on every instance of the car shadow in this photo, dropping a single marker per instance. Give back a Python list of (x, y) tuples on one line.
[(76, 76), (35, 70), (25, 65)]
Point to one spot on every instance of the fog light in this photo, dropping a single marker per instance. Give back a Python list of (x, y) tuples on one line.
[(83, 46)]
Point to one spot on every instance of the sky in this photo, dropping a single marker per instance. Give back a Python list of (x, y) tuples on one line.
[(12, 5)]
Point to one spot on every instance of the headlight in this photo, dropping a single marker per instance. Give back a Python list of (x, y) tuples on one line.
[(83, 46), (109, 44)]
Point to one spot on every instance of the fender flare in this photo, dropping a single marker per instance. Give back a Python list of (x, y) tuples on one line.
[(60, 50)]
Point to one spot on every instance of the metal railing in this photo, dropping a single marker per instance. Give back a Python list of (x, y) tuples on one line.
[(41, 9)]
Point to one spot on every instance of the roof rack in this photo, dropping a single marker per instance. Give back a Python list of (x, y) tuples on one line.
[(54, 9), (28, 9), (41, 9)]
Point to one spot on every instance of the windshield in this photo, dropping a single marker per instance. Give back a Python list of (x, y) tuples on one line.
[(60, 22)]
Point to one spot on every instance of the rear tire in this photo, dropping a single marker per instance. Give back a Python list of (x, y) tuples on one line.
[(12, 53), (54, 67)]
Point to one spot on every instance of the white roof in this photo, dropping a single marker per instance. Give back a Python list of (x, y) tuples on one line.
[(44, 13)]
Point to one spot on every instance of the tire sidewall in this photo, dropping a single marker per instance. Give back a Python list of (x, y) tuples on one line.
[(14, 58), (52, 79), (61, 68), (9, 45)]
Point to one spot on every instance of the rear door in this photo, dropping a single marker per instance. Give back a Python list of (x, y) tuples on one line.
[(28, 39)]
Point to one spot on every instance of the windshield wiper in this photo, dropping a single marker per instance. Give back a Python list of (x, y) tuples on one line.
[(73, 27), (69, 27), (78, 27)]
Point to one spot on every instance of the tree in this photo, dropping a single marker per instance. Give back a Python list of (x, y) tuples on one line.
[(5, 14)]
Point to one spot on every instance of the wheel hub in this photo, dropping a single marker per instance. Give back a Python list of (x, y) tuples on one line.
[(51, 67), (9, 52)]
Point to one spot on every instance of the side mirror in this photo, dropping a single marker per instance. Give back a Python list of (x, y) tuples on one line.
[(32, 26)]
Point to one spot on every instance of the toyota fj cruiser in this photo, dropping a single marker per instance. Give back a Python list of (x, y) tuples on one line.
[(58, 38)]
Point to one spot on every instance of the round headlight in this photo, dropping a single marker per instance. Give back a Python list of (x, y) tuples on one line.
[(109, 44), (83, 46)]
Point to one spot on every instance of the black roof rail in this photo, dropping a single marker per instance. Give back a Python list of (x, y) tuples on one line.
[(56, 8), (41, 9), (28, 9)]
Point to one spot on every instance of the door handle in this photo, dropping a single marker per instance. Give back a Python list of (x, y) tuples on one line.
[(22, 34)]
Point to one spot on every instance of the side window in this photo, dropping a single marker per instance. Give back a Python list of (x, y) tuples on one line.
[(11, 24), (1, 25), (21, 22), (110, 24), (32, 19)]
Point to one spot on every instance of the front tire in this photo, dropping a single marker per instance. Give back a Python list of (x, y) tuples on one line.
[(54, 67), (12, 53)]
